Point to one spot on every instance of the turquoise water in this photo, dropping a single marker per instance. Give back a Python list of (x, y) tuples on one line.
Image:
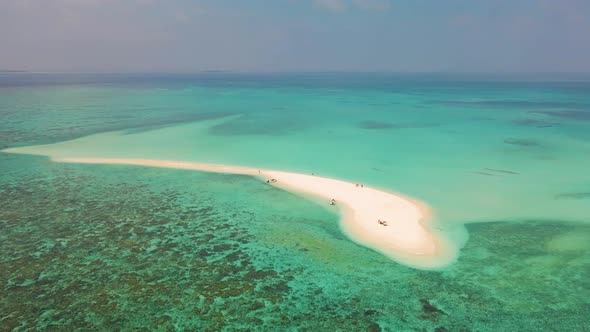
[(118, 247)]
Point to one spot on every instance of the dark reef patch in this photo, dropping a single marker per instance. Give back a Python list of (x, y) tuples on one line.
[(369, 124), (484, 173), (580, 195), (501, 171), (521, 142), (430, 309), (570, 114), (511, 104), (480, 118), (533, 123), (370, 312), (376, 125)]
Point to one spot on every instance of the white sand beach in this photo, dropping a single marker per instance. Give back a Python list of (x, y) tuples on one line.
[(405, 234)]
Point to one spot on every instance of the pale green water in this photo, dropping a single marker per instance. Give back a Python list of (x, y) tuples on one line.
[(473, 150)]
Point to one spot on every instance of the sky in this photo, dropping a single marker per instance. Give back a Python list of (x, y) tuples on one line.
[(295, 35)]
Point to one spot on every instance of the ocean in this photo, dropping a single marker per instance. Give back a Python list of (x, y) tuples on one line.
[(502, 160)]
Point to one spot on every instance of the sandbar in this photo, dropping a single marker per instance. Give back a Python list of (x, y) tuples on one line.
[(390, 223), (406, 237)]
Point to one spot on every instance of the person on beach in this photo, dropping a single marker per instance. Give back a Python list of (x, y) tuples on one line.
[(332, 202), (382, 222)]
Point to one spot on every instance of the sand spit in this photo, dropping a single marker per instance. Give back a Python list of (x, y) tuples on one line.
[(389, 223)]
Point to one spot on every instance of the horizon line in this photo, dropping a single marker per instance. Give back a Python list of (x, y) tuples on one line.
[(260, 71)]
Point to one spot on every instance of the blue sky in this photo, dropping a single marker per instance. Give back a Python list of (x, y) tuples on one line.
[(295, 35)]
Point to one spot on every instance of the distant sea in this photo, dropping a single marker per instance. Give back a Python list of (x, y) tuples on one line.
[(504, 159)]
